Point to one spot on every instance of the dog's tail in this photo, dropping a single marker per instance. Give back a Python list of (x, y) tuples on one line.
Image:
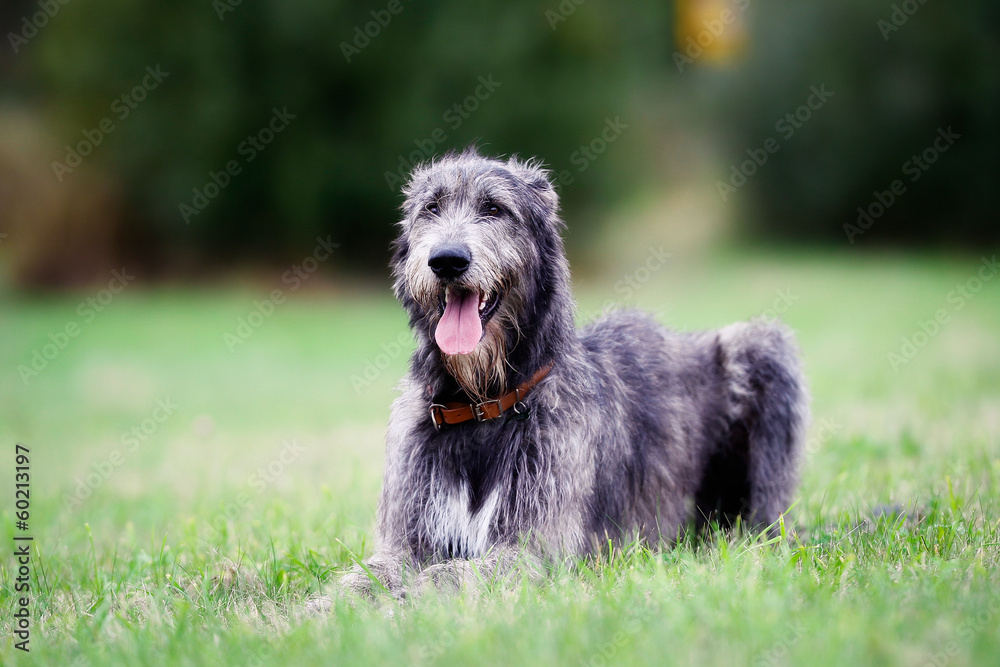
[(769, 407)]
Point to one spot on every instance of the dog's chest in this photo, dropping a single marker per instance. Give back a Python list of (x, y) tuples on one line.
[(458, 527)]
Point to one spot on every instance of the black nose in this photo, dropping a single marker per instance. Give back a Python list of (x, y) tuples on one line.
[(449, 261)]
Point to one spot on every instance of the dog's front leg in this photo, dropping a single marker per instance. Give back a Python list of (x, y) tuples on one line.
[(382, 571), (477, 574)]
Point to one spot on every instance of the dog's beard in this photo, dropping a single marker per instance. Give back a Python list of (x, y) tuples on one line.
[(482, 372)]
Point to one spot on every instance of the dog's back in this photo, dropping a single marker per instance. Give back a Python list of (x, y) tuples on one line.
[(699, 412)]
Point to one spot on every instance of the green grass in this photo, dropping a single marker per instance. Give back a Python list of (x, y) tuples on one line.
[(184, 555)]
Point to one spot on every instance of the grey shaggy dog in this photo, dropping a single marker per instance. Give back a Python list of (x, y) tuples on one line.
[(635, 430)]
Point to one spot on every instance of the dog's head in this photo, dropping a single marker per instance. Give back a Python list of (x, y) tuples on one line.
[(479, 248)]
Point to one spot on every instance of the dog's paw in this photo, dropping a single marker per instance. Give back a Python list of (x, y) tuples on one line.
[(319, 605), (358, 584), (449, 577)]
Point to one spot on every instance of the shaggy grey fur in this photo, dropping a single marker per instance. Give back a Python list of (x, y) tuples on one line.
[(636, 430)]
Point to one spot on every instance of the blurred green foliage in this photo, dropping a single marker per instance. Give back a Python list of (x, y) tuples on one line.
[(356, 122), (375, 86), (899, 72)]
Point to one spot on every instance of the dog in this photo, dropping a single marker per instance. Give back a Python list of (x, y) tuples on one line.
[(515, 433)]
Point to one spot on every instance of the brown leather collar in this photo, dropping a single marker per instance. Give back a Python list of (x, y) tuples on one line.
[(456, 413)]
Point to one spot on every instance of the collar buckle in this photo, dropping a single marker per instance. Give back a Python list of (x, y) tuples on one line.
[(437, 417), (456, 413), (479, 410)]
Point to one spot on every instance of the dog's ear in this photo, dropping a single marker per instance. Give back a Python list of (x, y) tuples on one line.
[(538, 179)]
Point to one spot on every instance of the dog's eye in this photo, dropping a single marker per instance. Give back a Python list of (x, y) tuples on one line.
[(432, 208), (491, 210)]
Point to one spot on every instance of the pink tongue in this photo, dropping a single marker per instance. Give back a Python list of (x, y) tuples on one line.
[(460, 328)]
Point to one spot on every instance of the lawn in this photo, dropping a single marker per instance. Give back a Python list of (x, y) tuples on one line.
[(187, 498)]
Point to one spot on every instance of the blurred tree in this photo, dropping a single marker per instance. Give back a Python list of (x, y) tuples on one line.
[(242, 129), (900, 74), (366, 89)]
